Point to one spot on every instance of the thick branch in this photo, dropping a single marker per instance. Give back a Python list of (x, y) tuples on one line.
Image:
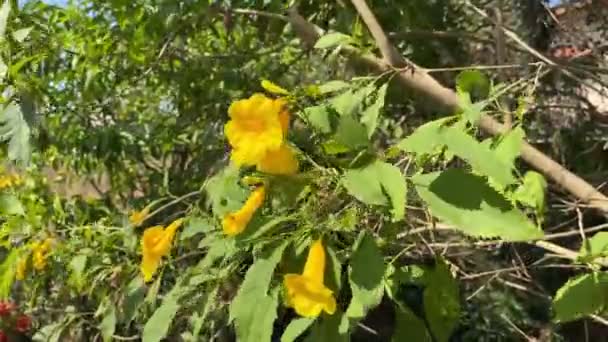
[(417, 79)]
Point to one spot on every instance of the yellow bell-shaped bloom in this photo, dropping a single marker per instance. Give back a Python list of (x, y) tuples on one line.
[(138, 217), (236, 222), (257, 125), (40, 252), (306, 292), (279, 162), (9, 180), (156, 243)]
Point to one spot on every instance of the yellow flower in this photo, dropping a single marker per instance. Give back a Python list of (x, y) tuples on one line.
[(9, 180), (306, 293), (138, 217), (21, 269), (257, 125), (40, 252), (279, 162), (235, 222), (156, 243)]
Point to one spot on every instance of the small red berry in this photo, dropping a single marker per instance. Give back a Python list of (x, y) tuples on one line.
[(3, 337), (6, 308), (22, 324)]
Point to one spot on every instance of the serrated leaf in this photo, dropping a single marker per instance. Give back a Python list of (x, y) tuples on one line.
[(349, 102), (394, 185), (5, 10), (594, 247), (319, 118), (351, 133), (366, 272), (425, 139), (473, 82), (441, 302), (253, 310), (370, 115), (364, 185), (332, 86), (408, 327), (273, 88), (581, 296), (509, 146), (134, 297), (77, 266), (471, 112), (108, 323), (10, 205), (333, 271), (532, 191), (21, 34), (370, 183), (16, 131), (157, 326), (196, 225), (332, 328), (332, 39), (333, 147), (469, 204), (481, 158), (225, 193), (296, 328)]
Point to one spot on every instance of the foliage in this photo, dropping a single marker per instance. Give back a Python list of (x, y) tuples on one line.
[(133, 100)]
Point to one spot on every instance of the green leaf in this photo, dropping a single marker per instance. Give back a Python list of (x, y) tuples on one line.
[(349, 102), (594, 247), (469, 204), (370, 183), (364, 184), (332, 328), (253, 310), (509, 146), (333, 147), (134, 297), (581, 296), (394, 185), (108, 323), (351, 133), (7, 273), (219, 247), (408, 327), (333, 86), (370, 116), (295, 328), (225, 193), (273, 88), (196, 225), (16, 131), (5, 10), (532, 191), (441, 302), (479, 156), (365, 276), (77, 266), (21, 34), (10, 205), (425, 139), (157, 326), (319, 118), (473, 82), (333, 270), (333, 39)]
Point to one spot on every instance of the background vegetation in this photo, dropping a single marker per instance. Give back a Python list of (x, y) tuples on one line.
[(110, 107)]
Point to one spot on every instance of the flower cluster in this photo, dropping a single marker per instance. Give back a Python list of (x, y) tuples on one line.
[(12, 321), (257, 133), (40, 251)]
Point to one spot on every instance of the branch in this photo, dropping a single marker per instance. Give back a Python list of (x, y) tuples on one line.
[(417, 79)]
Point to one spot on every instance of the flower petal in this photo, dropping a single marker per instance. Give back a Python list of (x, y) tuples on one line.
[(279, 162)]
